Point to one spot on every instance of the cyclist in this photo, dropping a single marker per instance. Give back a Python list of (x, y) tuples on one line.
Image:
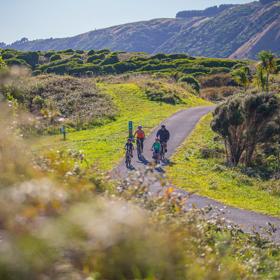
[(156, 149), (140, 136), (129, 147), (163, 135)]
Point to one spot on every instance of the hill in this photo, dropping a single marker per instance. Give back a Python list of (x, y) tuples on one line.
[(238, 31)]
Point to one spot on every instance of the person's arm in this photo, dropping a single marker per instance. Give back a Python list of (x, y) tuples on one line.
[(158, 133), (168, 135)]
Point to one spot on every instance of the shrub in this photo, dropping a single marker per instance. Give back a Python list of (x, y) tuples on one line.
[(160, 56), (112, 59), (59, 69), (243, 121), (157, 91), (217, 80), (38, 102), (69, 51), (95, 58), (36, 72), (2, 63), (91, 52), (55, 57), (7, 55), (218, 93), (32, 58), (49, 54), (82, 70), (191, 81), (109, 69), (17, 62), (212, 62), (217, 70)]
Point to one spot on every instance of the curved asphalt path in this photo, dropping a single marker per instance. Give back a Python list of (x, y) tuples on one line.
[(180, 126)]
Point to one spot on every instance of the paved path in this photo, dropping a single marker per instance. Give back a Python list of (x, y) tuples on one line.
[(180, 125)]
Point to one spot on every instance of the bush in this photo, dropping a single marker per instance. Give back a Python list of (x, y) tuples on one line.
[(243, 122), (212, 62), (217, 80), (49, 54), (32, 58), (191, 81), (59, 69), (91, 52), (17, 62), (36, 72), (55, 57), (110, 60), (159, 92), (218, 93), (82, 70), (95, 58), (8, 55)]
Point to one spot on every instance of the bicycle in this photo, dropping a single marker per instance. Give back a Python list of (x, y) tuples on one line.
[(128, 159), (139, 148), (163, 150), (156, 157)]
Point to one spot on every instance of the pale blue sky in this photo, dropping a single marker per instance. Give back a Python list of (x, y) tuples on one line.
[(60, 18)]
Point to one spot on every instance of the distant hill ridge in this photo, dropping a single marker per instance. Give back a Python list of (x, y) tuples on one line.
[(235, 31)]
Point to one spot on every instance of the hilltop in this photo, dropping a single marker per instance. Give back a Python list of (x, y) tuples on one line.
[(236, 31)]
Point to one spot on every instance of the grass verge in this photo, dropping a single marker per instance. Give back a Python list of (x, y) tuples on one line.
[(209, 177)]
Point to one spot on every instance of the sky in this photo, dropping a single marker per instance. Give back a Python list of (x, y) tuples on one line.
[(39, 19)]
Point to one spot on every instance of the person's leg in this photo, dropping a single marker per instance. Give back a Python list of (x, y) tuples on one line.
[(142, 144)]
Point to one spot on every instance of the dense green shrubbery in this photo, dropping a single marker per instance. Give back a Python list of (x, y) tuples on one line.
[(55, 57), (118, 63), (31, 58), (191, 81), (95, 57), (16, 62)]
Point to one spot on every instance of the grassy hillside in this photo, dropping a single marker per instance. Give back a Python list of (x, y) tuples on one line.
[(103, 145), (199, 167)]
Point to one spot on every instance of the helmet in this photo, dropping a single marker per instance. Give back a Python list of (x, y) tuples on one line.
[(140, 127), (163, 126)]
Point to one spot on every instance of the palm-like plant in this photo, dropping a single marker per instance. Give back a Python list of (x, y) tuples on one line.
[(242, 77), (268, 65), (260, 79)]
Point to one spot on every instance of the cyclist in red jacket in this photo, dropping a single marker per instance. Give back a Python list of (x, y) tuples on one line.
[(140, 136)]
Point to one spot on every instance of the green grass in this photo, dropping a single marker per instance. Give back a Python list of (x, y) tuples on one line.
[(103, 145), (209, 177)]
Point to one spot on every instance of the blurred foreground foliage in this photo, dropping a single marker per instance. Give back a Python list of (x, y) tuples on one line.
[(60, 220)]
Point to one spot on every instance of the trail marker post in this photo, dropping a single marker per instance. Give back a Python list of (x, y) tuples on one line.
[(130, 129), (63, 132)]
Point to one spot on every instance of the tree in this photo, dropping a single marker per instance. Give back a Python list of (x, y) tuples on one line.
[(242, 121), (242, 77), (268, 64), (260, 79)]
